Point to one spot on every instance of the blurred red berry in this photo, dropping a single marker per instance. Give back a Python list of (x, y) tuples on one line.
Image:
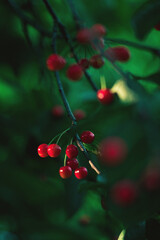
[(54, 150), (98, 30), (96, 61), (42, 150), (84, 36), (113, 151), (75, 72), (105, 96), (151, 179), (73, 163), (124, 193), (55, 62), (81, 173), (87, 137), (71, 151), (84, 220), (121, 54), (157, 27), (65, 172), (79, 114), (84, 63), (58, 111)]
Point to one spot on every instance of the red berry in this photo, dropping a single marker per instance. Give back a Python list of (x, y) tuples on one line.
[(81, 173), (54, 150), (42, 150), (151, 179), (157, 27), (84, 63), (113, 151), (105, 96), (121, 54), (84, 36), (65, 172), (84, 220), (58, 111), (98, 30), (73, 163), (55, 62), (74, 72), (96, 61), (79, 114), (87, 137), (71, 151), (124, 193)]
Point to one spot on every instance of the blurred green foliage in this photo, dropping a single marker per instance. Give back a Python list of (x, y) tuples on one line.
[(35, 204)]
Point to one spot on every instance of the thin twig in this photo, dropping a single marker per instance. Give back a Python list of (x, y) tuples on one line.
[(76, 18)]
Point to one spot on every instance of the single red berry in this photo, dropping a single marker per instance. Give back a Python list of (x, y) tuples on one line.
[(79, 114), (121, 54), (87, 137), (84, 63), (84, 36), (105, 96), (54, 150), (151, 179), (157, 27), (58, 111), (124, 193), (113, 151), (98, 30), (98, 44), (75, 72), (65, 172), (71, 151), (81, 173), (55, 62), (96, 61), (73, 163), (42, 150)]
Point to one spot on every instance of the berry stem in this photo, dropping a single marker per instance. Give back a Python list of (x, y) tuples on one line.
[(103, 82), (135, 45), (60, 135), (65, 159)]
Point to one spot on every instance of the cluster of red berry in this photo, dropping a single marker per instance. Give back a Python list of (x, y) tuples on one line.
[(157, 27), (54, 150)]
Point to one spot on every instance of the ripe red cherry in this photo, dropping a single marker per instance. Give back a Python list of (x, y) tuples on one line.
[(87, 137), (121, 54), (84, 36), (81, 173), (58, 111), (55, 62), (113, 151), (42, 150), (151, 179), (73, 163), (79, 114), (75, 72), (157, 27), (65, 172), (84, 63), (124, 193), (98, 30), (71, 151), (96, 61), (105, 96), (54, 150)]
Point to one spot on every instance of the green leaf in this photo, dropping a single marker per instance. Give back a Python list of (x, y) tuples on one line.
[(146, 17)]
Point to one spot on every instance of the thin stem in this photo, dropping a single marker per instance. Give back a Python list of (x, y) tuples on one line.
[(76, 18), (65, 159), (103, 82), (135, 45), (54, 138), (62, 134)]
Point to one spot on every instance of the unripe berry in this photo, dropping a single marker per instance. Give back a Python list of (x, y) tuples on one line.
[(81, 173), (65, 172), (113, 151), (54, 150), (121, 54), (157, 27), (151, 179), (42, 150), (72, 163), (124, 193), (84, 36), (55, 62), (58, 111), (105, 96), (75, 72), (98, 30), (84, 63), (87, 137), (79, 114), (71, 151), (96, 61)]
